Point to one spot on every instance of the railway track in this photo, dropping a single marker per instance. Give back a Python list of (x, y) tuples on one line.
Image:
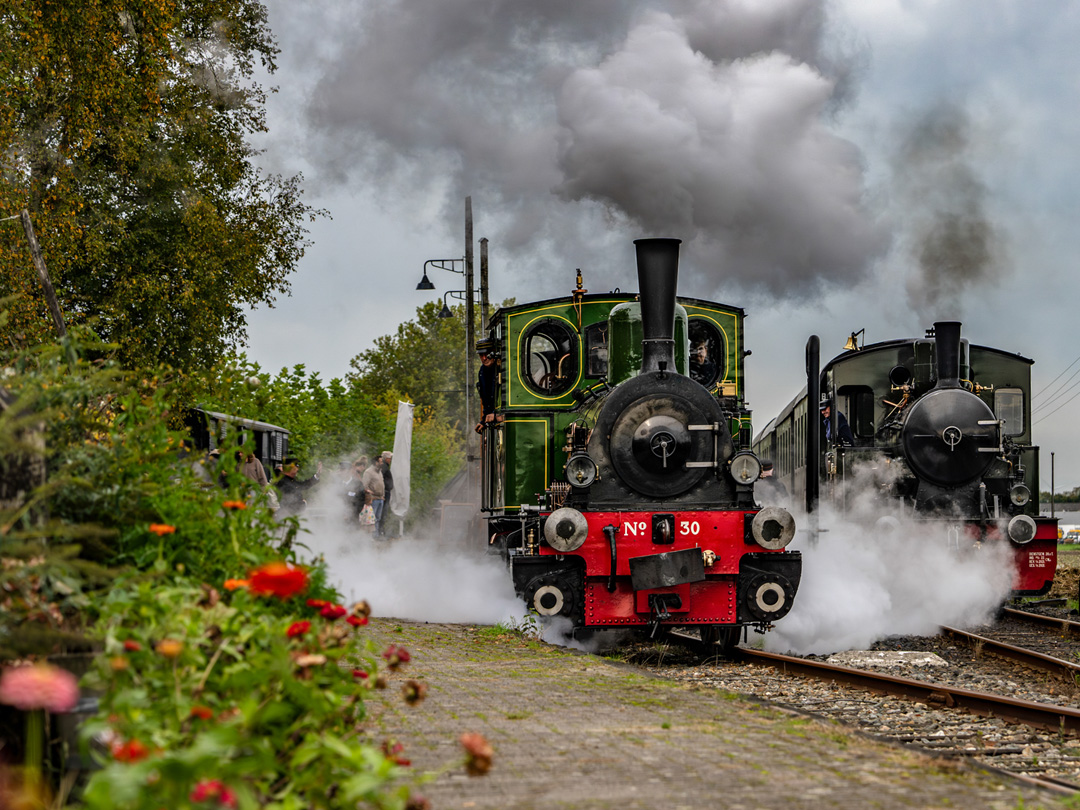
[(975, 707)]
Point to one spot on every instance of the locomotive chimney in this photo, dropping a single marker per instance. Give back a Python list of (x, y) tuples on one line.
[(658, 276), (947, 349)]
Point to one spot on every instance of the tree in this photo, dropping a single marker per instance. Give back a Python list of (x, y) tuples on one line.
[(424, 361), (123, 127)]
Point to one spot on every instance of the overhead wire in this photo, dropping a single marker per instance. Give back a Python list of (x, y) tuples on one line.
[(1058, 377), (1062, 405)]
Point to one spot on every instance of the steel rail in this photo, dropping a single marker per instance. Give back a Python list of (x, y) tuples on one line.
[(1068, 626), (1019, 654), (1039, 715)]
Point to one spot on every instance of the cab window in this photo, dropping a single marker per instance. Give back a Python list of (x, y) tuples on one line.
[(596, 350), (1009, 408), (549, 362), (707, 352)]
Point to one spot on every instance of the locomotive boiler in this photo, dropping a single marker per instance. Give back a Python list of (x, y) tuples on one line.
[(940, 431), (618, 481)]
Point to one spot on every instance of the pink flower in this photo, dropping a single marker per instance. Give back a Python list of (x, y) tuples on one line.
[(41, 686)]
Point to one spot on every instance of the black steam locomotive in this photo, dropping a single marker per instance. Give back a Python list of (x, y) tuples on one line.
[(939, 429), (617, 478)]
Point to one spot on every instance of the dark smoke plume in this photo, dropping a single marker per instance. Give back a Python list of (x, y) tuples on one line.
[(948, 232), (578, 125)]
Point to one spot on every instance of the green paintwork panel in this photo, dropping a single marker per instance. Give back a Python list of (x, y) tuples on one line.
[(626, 334), (527, 447)]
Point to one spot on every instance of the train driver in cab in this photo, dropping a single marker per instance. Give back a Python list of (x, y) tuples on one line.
[(487, 385), (844, 436)]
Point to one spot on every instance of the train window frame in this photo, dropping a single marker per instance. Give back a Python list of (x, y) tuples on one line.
[(700, 330), (596, 350), (543, 371), (1009, 402), (859, 410)]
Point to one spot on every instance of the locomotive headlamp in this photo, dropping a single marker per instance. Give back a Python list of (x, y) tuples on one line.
[(773, 528), (744, 467), (1022, 529), (1020, 495), (566, 529), (580, 470)]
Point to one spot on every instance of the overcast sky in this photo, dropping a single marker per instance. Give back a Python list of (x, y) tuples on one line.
[(830, 166)]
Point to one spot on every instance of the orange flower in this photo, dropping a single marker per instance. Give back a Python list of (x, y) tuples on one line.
[(478, 753), (161, 529), (278, 579), (170, 647), (234, 584), (234, 505)]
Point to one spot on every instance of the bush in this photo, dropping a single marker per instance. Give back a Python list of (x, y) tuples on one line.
[(203, 693)]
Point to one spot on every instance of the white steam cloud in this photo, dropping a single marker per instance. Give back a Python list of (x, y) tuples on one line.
[(875, 574), (418, 577)]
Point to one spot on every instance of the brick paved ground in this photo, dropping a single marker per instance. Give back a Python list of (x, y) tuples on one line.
[(577, 731)]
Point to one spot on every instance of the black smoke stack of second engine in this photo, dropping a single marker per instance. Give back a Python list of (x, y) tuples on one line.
[(947, 349), (658, 277)]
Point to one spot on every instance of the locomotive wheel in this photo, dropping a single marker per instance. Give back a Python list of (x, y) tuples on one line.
[(724, 638)]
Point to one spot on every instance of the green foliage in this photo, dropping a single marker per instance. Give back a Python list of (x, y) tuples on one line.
[(194, 690), (332, 422), (1073, 496), (125, 130)]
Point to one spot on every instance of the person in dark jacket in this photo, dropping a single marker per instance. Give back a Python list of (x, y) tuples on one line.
[(388, 491), (844, 435), (290, 490), (487, 386)]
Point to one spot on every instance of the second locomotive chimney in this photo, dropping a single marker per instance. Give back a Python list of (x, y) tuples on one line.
[(947, 350), (658, 277)]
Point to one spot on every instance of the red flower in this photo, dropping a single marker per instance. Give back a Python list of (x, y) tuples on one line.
[(357, 621), (202, 712), (317, 603), (332, 611), (130, 751), (234, 505), (278, 579), (132, 646), (208, 789), (478, 753), (161, 529), (360, 674), (393, 752), (298, 629), (395, 656)]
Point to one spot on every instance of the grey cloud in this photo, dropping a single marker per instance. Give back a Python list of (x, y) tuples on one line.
[(704, 120)]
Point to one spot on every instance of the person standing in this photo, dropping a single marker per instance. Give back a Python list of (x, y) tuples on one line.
[(487, 386), (388, 490), (291, 491), (375, 490)]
